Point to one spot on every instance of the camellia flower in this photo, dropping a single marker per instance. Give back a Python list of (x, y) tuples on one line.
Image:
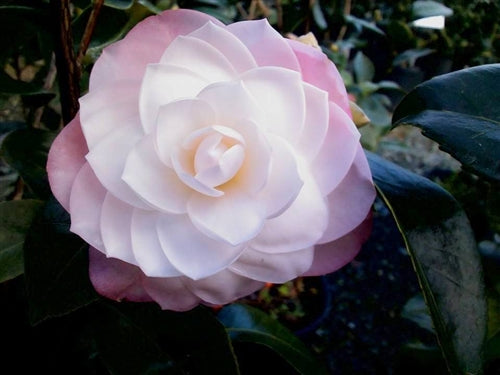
[(207, 160)]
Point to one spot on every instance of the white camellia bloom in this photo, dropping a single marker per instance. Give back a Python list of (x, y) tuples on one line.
[(207, 160)]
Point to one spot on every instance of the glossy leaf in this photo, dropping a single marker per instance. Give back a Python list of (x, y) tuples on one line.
[(56, 266), (456, 111), (15, 221), (444, 254), (119, 4), (26, 151), (141, 338), (421, 9), (360, 23), (250, 325)]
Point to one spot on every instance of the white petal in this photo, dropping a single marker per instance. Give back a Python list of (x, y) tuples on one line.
[(152, 180), (116, 217), (231, 47), (163, 84), (280, 94), (351, 200), (234, 218), (108, 158), (147, 248), (170, 293), (177, 121), (223, 287), (228, 165), (273, 268), (300, 226), (337, 152), (190, 251), (199, 57), (316, 123), (108, 108), (266, 45), (232, 103), (284, 182), (87, 197)]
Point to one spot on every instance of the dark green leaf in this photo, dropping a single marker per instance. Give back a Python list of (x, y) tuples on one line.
[(318, 15), (363, 68), (360, 23), (375, 109), (141, 338), (411, 56), (441, 245), (26, 151), (56, 266), (15, 220), (421, 9), (119, 4), (9, 85), (247, 324), (456, 111), (416, 310)]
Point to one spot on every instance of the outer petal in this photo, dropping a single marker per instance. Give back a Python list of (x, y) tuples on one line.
[(146, 246), (337, 152), (274, 268), (190, 251), (87, 197), (351, 200), (333, 255), (107, 159), (231, 47), (319, 71), (266, 45), (153, 181), (144, 44), (234, 218), (107, 108), (115, 279), (66, 158), (280, 94), (116, 218), (223, 287), (171, 293), (300, 226)]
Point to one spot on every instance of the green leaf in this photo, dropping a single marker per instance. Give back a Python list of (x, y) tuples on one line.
[(26, 151), (15, 220), (119, 4), (456, 111), (363, 68), (360, 23), (9, 85), (250, 325), (56, 266), (410, 56), (421, 9), (416, 310), (318, 15), (443, 251), (141, 338)]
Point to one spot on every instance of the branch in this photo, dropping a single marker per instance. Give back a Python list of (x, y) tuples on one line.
[(89, 30)]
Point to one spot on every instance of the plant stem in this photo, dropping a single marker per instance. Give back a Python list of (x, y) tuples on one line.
[(89, 30)]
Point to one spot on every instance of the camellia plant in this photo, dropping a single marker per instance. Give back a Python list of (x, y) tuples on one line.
[(202, 162)]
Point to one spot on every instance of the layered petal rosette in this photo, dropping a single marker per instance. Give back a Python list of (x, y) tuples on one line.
[(207, 160)]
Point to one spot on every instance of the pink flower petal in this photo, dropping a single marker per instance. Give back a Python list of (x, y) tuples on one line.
[(108, 158), (234, 218), (107, 108), (331, 256), (190, 251), (223, 287), (143, 45), (316, 122), (267, 46), (66, 158), (337, 152), (274, 268), (299, 227), (87, 197), (153, 181), (231, 47), (147, 248), (351, 199), (115, 279), (116, 217), (280, 95), (319, 71), (170, 293)]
